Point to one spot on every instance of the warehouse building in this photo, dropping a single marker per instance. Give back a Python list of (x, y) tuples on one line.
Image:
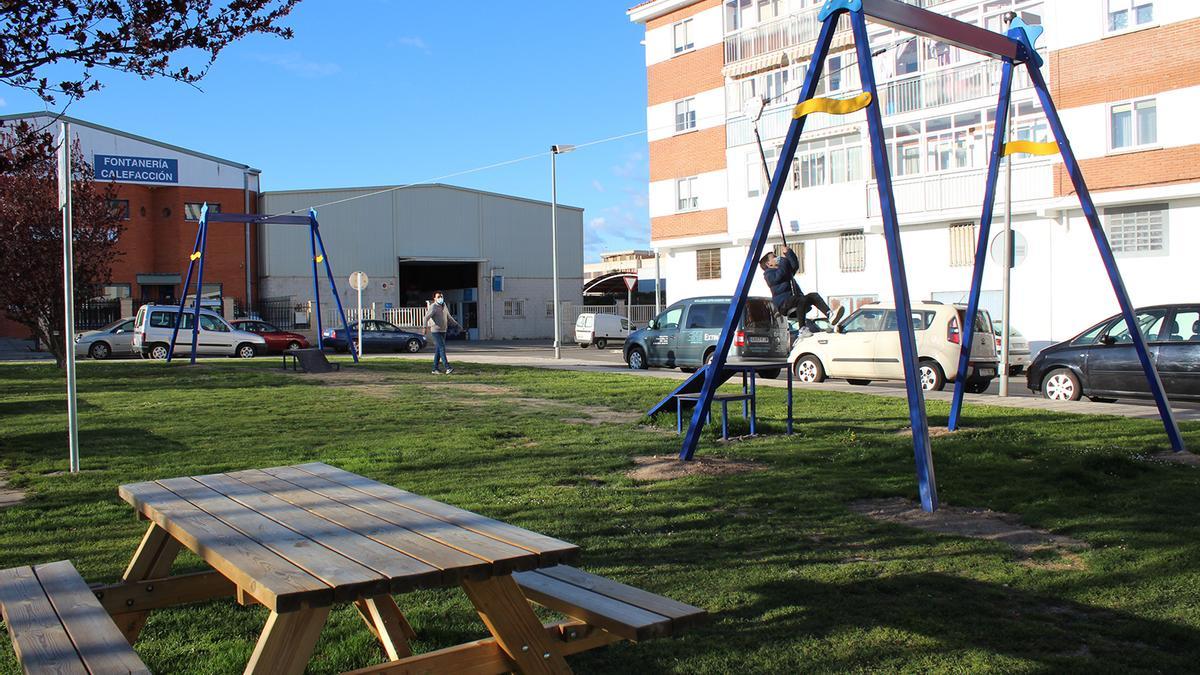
[(489, 253)]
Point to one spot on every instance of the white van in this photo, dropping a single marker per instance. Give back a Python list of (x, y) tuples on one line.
[(598, 329), (154, 325)]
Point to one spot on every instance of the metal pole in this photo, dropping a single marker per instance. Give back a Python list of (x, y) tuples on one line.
[(246, 209), (657, 292), (360, 322), (554, 240), (64, 177), (1006, 285), (629, 305)]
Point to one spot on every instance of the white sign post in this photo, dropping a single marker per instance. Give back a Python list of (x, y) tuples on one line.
[(64, 203), (358, 281), (630, 282)]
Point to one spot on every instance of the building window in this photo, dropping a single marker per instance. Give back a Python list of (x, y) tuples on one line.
[(756, 178), (962, 245), (852, 252), (837, 159), (708, 264), (797, 248), (119, 208), (549, 309), (191, 210), (685, 194), (683, 36), (1126, 14), (514, 308), (114, 291), (685, 115), (1133, 124), (1137, 230)]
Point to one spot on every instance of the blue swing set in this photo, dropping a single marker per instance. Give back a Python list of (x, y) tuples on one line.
[(1016, 48), (196, 263)]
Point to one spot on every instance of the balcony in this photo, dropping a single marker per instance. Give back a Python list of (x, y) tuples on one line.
[(945, 87), (786, 33), (962, 189)]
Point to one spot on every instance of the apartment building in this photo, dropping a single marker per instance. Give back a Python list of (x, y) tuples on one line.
[(1123, 73)]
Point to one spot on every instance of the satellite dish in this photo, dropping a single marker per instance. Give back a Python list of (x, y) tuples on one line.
[(753, 108)]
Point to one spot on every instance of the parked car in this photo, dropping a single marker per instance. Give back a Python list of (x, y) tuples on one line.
[(1018, 348), (277, 340), (1102, 363), (154, 324), (685, 334), (598, 329), (115, 339), (866, 347), (377, 336)]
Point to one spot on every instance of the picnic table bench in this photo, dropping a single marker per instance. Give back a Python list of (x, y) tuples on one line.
[(312, 360), (300, 539)]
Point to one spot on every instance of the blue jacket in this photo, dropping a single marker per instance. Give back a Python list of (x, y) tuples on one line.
[(782, 278)]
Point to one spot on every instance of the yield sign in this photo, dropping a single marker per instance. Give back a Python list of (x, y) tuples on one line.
[(630, 282)]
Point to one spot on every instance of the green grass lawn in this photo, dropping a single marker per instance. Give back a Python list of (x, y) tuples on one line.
[(794, 581)]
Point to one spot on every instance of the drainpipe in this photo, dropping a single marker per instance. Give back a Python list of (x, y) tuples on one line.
[(246, 196)]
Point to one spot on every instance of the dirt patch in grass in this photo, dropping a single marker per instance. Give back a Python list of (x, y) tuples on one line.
[(9, 496), (974, 523), (1186, 458), (934, 432), (670, 467), (473, 387)]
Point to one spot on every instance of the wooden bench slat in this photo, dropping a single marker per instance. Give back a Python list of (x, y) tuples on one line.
[(619, 618), (503, 557), (451, 564), (100, 644), (272, 580), (681, 614), (348, 578), (39, 638), (350, 544), (549, 549)]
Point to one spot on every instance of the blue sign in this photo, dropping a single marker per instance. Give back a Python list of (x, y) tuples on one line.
[(497, 284), (387, 305), (138, 169)]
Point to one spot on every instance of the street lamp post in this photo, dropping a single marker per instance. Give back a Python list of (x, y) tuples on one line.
[(555, 151)]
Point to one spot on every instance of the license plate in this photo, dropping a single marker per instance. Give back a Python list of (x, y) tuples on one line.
[(760, 340), (986, 372)]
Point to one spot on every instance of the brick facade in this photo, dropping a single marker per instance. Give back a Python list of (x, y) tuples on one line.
[(693, 223), (1115, 68), (688, 154), (1163, 166), (685, 75)]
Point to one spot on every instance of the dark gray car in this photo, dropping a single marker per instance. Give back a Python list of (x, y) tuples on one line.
[(685, 334)]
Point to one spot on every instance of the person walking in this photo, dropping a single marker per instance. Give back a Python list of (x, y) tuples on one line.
[(437, 321)]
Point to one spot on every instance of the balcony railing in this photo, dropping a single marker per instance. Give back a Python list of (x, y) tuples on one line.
[(786, 32), (961, 189), (944, 87)]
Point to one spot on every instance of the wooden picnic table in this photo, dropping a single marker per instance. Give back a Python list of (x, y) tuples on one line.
[(298, 539)]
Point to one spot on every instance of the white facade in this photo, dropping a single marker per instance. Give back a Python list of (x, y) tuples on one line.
[(421, 231), (939, 118)]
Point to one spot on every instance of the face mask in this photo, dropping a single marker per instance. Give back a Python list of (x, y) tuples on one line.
[(440, 301)]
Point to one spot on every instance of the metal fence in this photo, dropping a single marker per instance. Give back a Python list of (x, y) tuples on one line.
[(403, 317), (282, 312), (640, 315), (92, 314)]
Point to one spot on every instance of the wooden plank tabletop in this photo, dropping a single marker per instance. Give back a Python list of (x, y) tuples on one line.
[(314, 534)]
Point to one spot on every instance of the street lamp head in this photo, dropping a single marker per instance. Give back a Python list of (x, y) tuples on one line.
[(561, 149)]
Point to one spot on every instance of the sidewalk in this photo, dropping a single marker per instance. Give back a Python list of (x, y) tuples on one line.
[(543, 358)]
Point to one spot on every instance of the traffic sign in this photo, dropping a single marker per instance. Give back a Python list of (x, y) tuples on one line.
[(630, 282), (358, 281), (1020, 248)]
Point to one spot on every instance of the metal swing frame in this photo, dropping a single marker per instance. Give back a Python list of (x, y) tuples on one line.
[(196, 263), (1014, 48)]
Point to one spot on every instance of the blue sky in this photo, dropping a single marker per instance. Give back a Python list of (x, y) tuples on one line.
[(373, 92)]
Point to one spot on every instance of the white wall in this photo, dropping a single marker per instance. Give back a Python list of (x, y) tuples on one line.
[(710, 187), (706, 31), (710, 112), (1077, 22)]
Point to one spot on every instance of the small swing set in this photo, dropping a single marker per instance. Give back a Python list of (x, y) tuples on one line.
[(1015, 48), (196, 264)]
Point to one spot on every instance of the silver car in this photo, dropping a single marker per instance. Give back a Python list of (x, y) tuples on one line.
[(115, 339), (1018, 349), (154, 324)]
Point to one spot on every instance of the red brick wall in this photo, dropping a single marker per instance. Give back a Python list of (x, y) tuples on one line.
[(712, 221), (1133, 169), (688, 154)]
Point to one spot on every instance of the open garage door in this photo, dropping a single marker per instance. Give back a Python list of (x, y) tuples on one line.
[(457, 279)]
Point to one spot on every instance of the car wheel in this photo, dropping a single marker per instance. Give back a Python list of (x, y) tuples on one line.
[(932, 377), (685, 369), (772, 374), (859, 383), (246, 351), (413, 346), (809, 370), (100, 351), (159, 352), (1014, 371), (293, 345), (583, 345), (601, 343), (708, 356), (1061, 385), (637, 359), (1102, 399)]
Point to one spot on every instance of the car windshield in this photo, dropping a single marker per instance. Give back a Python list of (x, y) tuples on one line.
[(1149, 324), (760, 316), (265, 327), (119, 323)]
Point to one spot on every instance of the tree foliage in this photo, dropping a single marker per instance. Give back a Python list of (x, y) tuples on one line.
[(31, 269), (147, 38)]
